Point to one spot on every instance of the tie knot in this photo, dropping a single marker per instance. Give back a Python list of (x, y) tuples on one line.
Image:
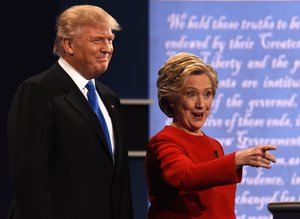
[(90, 86)]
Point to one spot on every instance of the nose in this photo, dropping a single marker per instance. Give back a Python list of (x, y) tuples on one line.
[(200, 101), (106, 47)]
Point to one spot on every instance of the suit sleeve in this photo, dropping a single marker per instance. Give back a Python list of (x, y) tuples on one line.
[(181, 173), (30, 147)]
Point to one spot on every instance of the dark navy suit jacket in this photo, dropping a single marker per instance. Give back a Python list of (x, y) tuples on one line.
[(60, 164)]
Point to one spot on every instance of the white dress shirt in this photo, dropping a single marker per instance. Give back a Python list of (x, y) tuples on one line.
[(80, 81)]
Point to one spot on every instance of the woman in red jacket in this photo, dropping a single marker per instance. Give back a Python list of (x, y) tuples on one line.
[(187, 172)]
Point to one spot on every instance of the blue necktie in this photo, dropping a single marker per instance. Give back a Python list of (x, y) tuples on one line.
[(93, 101)]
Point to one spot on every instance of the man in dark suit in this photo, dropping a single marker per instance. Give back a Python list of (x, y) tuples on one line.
[(62, 165)]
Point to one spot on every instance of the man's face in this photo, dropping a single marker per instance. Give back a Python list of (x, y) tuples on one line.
[(92, 50)]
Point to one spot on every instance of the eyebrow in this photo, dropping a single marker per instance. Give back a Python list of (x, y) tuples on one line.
[(196, 88)]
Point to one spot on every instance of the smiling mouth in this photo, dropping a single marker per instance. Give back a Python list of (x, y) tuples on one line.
[(103, 55), (198, 115), (102, 59)]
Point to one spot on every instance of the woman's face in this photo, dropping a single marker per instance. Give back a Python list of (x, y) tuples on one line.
[(193, 103)]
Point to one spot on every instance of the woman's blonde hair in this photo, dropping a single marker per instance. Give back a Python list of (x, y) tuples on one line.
[(173, 74)]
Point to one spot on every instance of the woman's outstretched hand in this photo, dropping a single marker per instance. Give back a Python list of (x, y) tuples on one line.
[(256, 157)]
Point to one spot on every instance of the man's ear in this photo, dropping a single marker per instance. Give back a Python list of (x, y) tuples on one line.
[(68, 46)]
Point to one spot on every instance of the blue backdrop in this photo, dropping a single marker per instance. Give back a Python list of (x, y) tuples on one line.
[(254, 46)]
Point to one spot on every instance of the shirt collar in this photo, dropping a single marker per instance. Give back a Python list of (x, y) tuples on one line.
[(78, 79)]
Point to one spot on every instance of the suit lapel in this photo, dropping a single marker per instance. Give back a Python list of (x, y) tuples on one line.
[(111, 109), (86, 111), (75, 98)]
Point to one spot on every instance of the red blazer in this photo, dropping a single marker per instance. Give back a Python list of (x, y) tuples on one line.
[(189, 177)]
